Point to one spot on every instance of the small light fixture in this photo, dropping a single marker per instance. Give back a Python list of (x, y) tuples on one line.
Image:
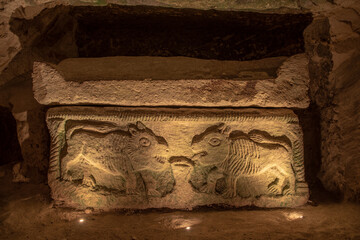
[(81, 220), (188, 228)]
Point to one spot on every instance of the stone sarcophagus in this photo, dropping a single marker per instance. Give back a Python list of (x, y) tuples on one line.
[(113, 157)]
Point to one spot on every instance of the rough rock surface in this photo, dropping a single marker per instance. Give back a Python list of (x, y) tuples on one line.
[(30, 205), (51, 39), (56, 85), (32, 134), (110, 158), (339, 131), (29, 9), (166, 68), (333, 44), (9, 145)]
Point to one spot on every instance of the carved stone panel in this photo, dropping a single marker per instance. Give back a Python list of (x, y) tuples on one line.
[(111, 158)]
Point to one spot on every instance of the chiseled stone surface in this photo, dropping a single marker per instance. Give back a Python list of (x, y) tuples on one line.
[(342, 15), (111, 158), (240, 86), (334, 51)]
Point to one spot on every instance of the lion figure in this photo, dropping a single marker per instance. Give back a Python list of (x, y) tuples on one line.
[(237, 154), (114, 159)]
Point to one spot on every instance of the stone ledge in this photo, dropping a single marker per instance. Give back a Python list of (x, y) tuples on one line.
[(55, 85)]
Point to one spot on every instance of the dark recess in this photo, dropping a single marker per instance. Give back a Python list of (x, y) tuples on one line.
[(310, 122), (156, 31), (9, 144)]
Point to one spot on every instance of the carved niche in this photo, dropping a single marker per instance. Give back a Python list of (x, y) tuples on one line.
[(110, 158)]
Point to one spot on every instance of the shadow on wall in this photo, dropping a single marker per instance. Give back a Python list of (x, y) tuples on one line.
[(10, 151), (34, 141), (310, 123), (29, 129)]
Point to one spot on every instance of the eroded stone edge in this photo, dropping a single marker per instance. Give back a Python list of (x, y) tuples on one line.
[(289, 89)]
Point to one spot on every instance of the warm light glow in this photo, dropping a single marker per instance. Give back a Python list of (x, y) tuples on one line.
[(188, 228), (81, 220), (293, 216)]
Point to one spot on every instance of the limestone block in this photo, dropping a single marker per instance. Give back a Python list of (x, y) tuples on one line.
[(174, 81), (113, 158)]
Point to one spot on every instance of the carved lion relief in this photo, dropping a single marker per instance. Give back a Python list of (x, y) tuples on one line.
[(128, 160), (125, 161), (222, 156)]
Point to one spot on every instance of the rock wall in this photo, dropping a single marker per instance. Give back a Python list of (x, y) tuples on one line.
[(32, 133), (333, 43), (9, 146), (332, 46), (342, 154)]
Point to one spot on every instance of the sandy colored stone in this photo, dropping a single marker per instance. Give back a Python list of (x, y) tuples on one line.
[(109, 158), (334, 72), (32, 134), (330, 135), (165, 68), (53, 85)]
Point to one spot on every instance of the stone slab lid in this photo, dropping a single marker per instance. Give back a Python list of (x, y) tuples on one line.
[(173, 81)]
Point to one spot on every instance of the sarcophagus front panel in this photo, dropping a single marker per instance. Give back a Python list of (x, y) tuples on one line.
[(113, 158)]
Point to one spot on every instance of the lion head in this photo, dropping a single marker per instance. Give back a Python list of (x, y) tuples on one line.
[(145, 149), (212, 145)]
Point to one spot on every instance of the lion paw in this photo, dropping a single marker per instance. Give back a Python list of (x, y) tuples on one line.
[(229, 194), (274, 190), (89, 181), (207, 188), (153, 193), (288, 192)]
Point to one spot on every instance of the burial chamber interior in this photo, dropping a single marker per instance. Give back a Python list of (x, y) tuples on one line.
[(98, 45), (179, 87)]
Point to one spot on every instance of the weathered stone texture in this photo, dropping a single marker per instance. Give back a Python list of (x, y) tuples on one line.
[(139, 158), (50, 38), (9, 145), (166, 68), (10, 45), (34, 139), (32, 133), (339, 130), (288, 89), (334, 50)]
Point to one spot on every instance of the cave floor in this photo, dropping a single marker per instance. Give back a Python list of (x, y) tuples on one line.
[(26, 212)]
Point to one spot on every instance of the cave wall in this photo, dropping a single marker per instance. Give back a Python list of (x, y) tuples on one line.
[(344, 127), (9, 145), (332, 44)]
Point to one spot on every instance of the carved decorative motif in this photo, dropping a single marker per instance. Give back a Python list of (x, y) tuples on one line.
[(112, 158)]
